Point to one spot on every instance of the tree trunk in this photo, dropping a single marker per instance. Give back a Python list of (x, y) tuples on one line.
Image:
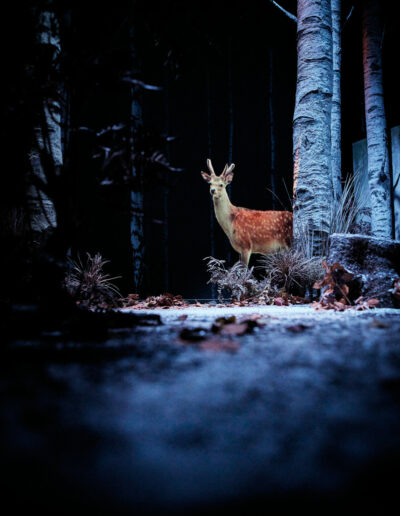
[(231, 125), (137, 208), (166, 188), (377, 138), (47, 134), (312, 185), (395, 140), (271, 132), (209, 151), (336, 122)]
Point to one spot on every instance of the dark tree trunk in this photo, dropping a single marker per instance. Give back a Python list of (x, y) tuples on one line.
[(209, 152), (271, 130), (137, 194), (166, 189), (231, 125)]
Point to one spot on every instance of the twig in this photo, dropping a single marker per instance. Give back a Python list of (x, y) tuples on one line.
[(348, 16), (288, 14)]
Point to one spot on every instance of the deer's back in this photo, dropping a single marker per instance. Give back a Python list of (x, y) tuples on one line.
[(261, 231)]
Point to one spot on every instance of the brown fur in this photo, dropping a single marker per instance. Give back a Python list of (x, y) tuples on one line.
[(261, 232), (249, 231)]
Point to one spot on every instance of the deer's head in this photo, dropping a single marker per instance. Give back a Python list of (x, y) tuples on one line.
[(218, 184)]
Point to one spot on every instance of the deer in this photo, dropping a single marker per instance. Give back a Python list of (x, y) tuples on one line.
[(249, 231)]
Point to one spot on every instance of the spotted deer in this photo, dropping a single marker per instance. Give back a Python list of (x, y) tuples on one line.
[(249, 231)]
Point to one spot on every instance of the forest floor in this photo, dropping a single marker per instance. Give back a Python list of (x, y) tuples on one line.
[(281, 408)]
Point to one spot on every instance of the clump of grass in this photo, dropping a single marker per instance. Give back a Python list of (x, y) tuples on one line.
[(292, 270), (89, 285), (238, 282), (352, 205)]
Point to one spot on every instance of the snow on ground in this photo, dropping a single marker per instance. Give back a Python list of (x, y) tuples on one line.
[(283, 313), (287, 415)]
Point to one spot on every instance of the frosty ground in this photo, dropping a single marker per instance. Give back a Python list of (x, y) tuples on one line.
[(301, 413)]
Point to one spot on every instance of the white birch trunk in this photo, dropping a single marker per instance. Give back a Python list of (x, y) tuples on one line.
[(378, 149), (336, 122), (312, 186), (395, 138)]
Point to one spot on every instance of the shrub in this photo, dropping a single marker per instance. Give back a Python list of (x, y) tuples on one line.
[(238, 281)]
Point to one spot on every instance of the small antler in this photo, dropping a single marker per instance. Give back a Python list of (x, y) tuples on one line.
[(210, 167), (230, 168)]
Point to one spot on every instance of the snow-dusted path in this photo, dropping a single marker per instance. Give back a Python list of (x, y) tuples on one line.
[(287, 417)]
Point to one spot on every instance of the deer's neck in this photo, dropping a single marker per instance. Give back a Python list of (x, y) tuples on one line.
[(223, 210)]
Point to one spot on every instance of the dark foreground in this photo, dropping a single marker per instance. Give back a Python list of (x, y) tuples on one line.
[(294, 419)]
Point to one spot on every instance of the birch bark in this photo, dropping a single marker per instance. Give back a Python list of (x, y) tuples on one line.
[(336, 124), (312, 186), (377, 138)]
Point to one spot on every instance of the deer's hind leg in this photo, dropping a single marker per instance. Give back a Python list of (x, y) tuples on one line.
[(245, 256)]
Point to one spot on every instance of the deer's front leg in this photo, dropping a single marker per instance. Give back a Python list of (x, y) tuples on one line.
[(245, 256)]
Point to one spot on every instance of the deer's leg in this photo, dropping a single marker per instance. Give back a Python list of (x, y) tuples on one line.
[(245, 256)]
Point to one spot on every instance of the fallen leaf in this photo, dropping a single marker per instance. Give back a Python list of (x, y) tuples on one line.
[(226, 320), (376, 323), (234, 329), (297, 328), (193, 334), (216, 344)]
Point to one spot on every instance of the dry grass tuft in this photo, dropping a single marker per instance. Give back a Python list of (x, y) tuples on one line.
[(291, 270), (352, 205), (238, 282), (89, 285)]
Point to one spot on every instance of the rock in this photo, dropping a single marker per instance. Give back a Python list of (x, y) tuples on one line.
[(374, 261)]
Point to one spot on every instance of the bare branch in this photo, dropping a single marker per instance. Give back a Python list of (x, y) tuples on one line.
[(348, 16), (288, 14)]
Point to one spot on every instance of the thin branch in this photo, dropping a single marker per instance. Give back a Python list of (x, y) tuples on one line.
[(288, 14), (348, 16)]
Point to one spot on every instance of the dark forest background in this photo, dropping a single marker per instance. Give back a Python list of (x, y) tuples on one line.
[(226, 74)]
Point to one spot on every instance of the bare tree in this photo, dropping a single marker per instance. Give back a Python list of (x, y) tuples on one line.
[(377, 138), (312, 187)]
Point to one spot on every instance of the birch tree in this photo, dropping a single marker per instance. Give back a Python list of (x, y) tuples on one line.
[(312, 186), (336, 123), (377, 139)]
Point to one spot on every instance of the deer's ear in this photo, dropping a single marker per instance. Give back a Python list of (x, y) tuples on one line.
[(228, 177), (206, 177)]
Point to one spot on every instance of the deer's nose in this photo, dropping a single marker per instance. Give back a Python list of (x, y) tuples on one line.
[(212, 190)]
